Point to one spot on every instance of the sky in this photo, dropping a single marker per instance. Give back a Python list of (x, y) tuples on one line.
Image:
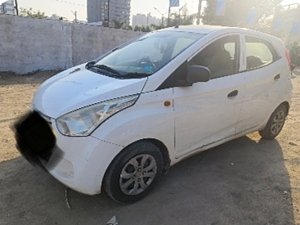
[(66, 8)]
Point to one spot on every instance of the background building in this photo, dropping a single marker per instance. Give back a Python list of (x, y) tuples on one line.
[(145, 20), (8, 7), (108, 10)]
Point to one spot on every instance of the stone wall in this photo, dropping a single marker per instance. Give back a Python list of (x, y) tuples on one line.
[(28, 45)]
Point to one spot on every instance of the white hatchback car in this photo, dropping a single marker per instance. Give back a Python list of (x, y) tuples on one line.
[(117, 123)]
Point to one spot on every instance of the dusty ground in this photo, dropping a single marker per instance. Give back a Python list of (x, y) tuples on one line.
[(246, 181)]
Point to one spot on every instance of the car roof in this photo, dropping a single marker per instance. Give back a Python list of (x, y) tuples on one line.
[(210, 29), (202, 29)]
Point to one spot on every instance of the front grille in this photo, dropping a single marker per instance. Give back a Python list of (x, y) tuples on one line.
[(35, 137)]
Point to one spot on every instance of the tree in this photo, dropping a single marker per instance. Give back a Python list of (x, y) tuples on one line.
[(137, 28), (118, 24), (176, 19), (32, 14), (181, 18), (127, 27), (256, 14), (156, 27), (142, 28)]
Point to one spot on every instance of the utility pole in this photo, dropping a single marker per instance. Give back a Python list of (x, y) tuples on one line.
[(148, 15), (16, 7), (162, 16), (168, 23), (3, 7), (107, 13), (75, 14), (199, 11), (179, 11)]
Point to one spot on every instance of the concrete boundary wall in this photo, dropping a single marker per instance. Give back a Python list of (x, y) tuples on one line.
[(28, 45)]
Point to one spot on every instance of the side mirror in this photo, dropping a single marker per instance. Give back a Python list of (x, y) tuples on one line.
[(198, 74)]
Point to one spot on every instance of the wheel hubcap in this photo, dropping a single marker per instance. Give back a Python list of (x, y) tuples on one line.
[(137, 174), (278, 122)]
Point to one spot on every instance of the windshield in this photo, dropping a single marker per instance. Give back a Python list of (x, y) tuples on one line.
[(144, 56)]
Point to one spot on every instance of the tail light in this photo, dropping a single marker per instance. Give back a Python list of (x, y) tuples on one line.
[(288, 57)]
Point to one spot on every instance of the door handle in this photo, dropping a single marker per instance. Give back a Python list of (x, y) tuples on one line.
[(233, 94), (277, 77)]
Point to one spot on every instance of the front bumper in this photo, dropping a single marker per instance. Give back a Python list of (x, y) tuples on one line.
[(80, 162)]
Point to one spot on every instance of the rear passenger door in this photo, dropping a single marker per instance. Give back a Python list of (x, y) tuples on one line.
[(261, 70)]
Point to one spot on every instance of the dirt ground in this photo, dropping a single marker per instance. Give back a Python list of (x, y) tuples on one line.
[(245, 181)]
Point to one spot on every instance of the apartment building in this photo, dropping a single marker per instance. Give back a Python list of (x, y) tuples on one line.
[(8, 7), (106, 11), (145, 20)]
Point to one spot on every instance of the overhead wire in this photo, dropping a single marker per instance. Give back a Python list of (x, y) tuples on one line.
[(71, 3)]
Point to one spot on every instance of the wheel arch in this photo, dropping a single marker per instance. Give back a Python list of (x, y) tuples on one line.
[(287, 105), (162, 148), (160, 145), (268, 131), (164, 152)]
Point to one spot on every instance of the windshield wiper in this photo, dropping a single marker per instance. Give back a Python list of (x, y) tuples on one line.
[(136, 75), (131, 75), (105, 68)]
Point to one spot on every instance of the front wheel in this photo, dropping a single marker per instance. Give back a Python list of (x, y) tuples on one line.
[(275, 123), (133, 173)]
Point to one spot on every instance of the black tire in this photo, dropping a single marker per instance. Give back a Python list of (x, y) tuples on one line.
[(275, 123), (137, 180)]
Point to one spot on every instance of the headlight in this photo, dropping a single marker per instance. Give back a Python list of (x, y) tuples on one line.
[(83, 121)]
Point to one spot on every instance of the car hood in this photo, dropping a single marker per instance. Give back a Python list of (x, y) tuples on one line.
[(77, 88)]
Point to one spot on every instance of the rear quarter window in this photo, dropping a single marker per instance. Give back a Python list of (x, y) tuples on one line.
[(259, 53)]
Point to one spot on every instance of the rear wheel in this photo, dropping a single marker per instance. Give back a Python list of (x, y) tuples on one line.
[(275, 123), (133, 173)]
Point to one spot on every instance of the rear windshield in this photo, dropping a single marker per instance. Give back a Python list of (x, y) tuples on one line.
[(146, 55)]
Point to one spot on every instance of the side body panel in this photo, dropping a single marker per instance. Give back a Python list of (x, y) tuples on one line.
[(263, 88), (149, 118)]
